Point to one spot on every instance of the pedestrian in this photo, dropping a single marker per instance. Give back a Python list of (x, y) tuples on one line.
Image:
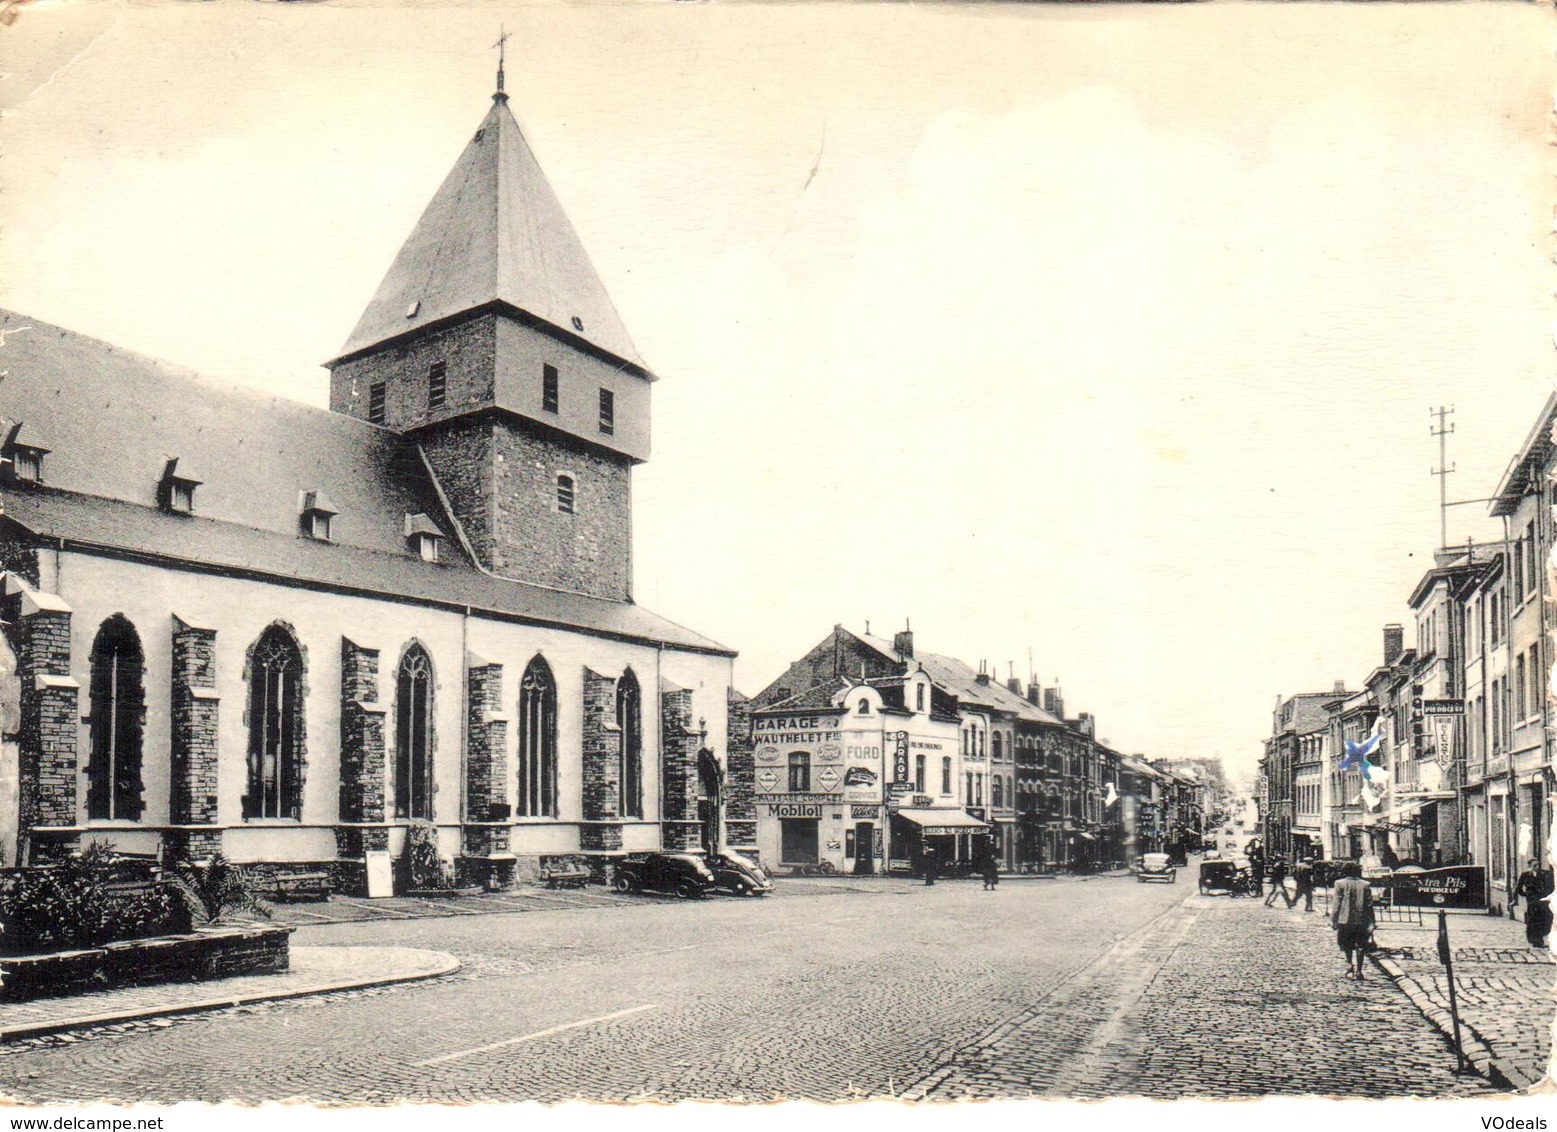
[(1351, 914), (1535, 889), (1278, 882), (1303, 877), (1256, 856), (991, 872), (929, 866), (1388, 857)]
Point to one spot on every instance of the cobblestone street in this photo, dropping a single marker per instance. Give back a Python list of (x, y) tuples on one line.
[(827, 990)]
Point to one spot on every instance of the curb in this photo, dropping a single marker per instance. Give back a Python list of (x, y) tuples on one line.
[(1478, 1052), (41, 1028)]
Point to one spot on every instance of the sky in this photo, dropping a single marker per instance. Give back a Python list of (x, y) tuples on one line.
[(1104, 334)]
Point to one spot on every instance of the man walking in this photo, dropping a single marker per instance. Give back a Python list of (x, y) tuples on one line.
[(1535, 889), (1278, 882), (1256, 855), (1351, 914), (1303, 877)]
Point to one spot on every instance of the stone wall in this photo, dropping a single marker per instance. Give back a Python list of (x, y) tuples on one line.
[(195, 721), (363, 769), (602, 829), (680, 741), (486, 838), (50, 727), (740, 776)]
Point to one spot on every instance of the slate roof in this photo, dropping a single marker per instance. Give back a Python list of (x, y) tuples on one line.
[(112, 419), (963, 682), (821, 697), (495, 232)]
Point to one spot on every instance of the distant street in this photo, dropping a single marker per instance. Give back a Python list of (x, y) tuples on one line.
[(832, 988)]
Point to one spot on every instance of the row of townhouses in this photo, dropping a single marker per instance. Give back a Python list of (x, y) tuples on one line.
[(1462, 709), (872, 756)]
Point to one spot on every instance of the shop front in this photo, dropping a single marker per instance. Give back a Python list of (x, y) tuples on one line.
[(953, 839)]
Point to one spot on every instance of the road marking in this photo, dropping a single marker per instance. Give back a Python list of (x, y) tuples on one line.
[(546, 1033)]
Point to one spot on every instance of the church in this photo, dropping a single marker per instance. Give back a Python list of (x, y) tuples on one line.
[(235, 623)]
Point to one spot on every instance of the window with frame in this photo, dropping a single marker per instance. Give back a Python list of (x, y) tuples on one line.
[(537, 742), (997, 792), (799, 772), (1518, 571), (864, 707), (629, 717), (549, 389), (919, 773), (565, 494), (1530, 574), (376, 397), (116, 723), (275, 727), (946, 776), (413, 735), (1519, 687), (607, 412), (919, 697), (996, 747), (967, 788), (437, 385)]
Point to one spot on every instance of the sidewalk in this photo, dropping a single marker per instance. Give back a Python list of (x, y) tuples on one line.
[(314, 970), (1507, 991)]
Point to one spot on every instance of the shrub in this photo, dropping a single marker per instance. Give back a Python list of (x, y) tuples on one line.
[(218, 887), (75, 904)]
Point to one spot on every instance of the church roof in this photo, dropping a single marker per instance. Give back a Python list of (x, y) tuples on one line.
[(495, 233), (113, 419)]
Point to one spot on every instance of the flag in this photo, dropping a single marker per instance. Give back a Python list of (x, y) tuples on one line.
[(1370, 796), (1356, 757), (1111, 797)]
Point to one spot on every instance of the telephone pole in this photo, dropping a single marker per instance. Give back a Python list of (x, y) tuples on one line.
[(1443, 470)]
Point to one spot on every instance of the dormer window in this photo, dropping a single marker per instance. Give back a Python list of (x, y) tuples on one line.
[(22, 456), (424, 536), (317, 511), (176, 492)]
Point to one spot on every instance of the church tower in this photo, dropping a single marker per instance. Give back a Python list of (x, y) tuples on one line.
[(493, 345)]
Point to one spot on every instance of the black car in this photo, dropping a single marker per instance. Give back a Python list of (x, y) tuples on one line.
[(685, 874), (739, 875)]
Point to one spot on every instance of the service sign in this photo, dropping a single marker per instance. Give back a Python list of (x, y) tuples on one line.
[(861, 784)]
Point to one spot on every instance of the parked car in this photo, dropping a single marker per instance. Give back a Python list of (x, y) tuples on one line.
[(739, 875), (1155, 867), (685, 874)]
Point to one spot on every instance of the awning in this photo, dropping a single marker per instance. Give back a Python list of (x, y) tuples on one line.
[(1083, 834), (944, 823)]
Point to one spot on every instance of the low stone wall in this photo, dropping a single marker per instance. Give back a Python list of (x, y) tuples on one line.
[(205, 953)]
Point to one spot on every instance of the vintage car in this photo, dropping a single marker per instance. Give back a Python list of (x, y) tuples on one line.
[(1155, 867), (684, 874), (739, 875)]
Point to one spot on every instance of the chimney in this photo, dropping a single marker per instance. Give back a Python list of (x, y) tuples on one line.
[(1034, 694), (1340, 687), (904, 642), (1014, 686), (1394, 643)]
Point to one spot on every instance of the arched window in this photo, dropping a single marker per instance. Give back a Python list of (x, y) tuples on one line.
[(537, 742), (997, 793), (413, 736), (799, 772), (118, 709), (275, 727), (864, 707), (629, 717), (996, 741)]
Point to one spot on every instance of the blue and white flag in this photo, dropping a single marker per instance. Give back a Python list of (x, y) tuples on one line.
[(1356, 757)]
